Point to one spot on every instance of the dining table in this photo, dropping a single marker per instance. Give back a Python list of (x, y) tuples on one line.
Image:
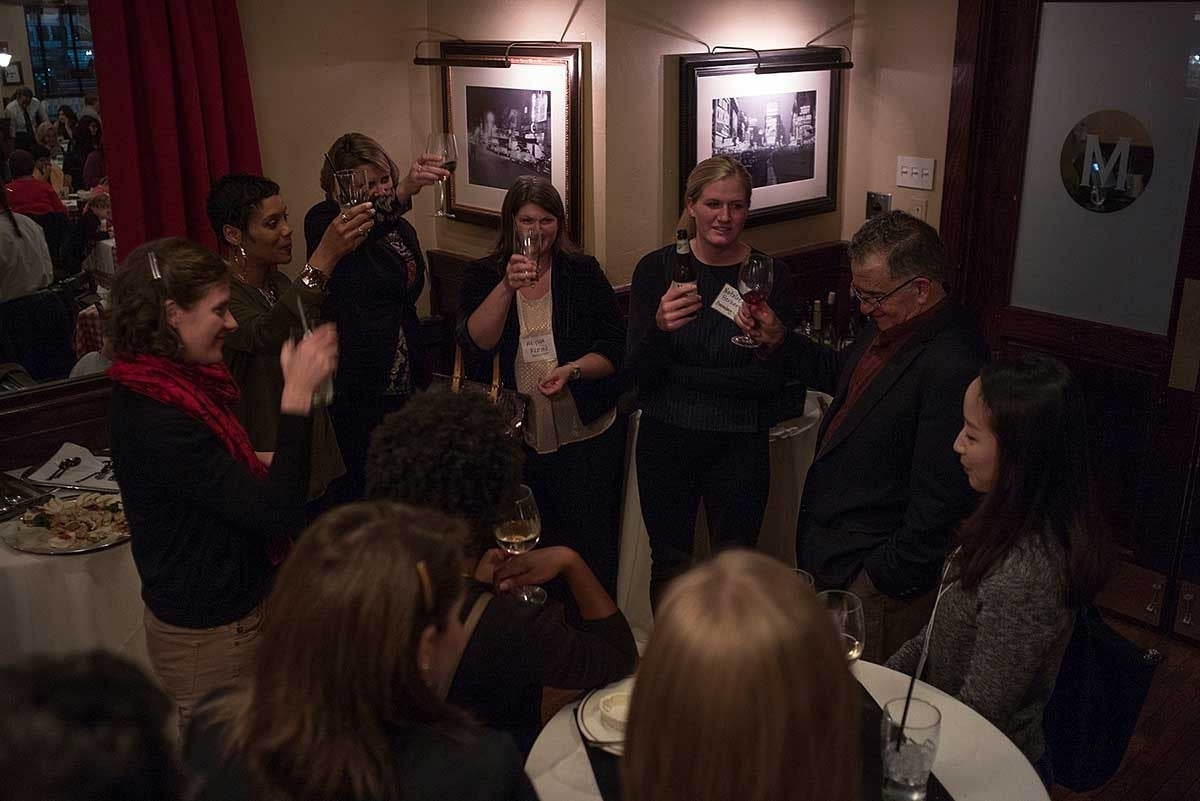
[(975, 761)]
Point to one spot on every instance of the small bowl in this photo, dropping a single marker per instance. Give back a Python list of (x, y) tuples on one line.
[(614, 710)]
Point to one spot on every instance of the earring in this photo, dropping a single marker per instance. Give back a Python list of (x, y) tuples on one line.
[(242, 261)]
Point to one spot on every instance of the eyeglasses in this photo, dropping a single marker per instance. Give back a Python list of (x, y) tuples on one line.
[(876, 301)]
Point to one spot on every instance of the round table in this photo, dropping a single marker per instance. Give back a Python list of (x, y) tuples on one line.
[(975, 762)]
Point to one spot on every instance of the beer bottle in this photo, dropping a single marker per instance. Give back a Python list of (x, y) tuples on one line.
[(684, 272)]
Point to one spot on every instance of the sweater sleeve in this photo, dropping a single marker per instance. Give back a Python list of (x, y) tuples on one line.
[(646, 344), (610, 329), (818, 366), (588, 653), (479, 279), (906, 659), (197, 468), (1020, 620)]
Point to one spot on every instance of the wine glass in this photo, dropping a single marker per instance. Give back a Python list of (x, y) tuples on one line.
[(847, 612), (351, 187), (518, 532), (805, 577), (442, 144), (755, 277)]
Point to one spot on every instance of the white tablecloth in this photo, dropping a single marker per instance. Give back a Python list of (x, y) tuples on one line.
[(64, 603), (975, 762), (101, 258), (792, 444)]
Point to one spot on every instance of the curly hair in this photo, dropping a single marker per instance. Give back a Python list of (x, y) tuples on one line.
[(139, 319), (85, 726), (912, 246), (233, 198), (448, 452)]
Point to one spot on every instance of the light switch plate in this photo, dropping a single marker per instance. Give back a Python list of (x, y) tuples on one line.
[(878, 203), (915, 173)]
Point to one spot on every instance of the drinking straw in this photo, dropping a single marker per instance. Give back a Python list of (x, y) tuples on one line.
[(329, 161), (904, 716)]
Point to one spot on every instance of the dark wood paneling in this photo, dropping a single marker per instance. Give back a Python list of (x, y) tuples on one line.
[(35, 422)]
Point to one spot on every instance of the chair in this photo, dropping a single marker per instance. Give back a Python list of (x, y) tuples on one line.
[(36, 331), (55, 226)]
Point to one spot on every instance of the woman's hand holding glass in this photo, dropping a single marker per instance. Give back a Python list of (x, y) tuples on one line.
[(678, 307), (521, 272), (306, 365), (426, 171), (347, 231), (532, 568)]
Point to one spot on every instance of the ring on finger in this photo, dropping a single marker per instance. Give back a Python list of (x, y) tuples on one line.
[(345, 218)]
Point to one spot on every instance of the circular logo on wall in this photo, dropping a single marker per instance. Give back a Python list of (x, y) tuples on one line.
[(1106, 161)]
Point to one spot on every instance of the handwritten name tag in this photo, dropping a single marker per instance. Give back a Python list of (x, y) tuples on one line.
[(728, 302), (538, 348)]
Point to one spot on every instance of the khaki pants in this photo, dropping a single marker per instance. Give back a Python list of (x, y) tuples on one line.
[(191, 663), (890, 622)]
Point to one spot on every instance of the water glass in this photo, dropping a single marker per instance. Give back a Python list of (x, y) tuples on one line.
[(908, 754), (351, 186)]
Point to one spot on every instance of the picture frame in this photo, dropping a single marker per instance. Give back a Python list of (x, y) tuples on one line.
[(12, 75), (524, 119), (778, 112)]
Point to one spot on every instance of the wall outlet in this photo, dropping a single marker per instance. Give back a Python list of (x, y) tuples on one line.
[(915, 173), (917, 208), (878, 203)]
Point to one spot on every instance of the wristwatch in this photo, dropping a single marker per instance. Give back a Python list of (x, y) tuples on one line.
[(576, 373), (313, 278)]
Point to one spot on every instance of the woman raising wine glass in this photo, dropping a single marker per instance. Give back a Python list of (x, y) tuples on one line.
[(705, 401)]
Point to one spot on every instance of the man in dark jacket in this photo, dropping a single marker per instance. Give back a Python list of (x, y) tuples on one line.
[(885, 491)]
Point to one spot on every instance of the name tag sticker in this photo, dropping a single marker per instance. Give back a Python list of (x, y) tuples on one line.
[(728, 302), (538, 348)]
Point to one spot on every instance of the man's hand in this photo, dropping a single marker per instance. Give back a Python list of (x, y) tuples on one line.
[(759, 323)]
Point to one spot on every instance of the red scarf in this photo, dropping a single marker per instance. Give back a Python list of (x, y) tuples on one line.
[(206, 392)]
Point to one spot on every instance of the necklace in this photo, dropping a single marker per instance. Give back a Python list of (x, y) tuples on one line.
[(267, 290)]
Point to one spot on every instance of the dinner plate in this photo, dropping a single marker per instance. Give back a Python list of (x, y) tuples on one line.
[(591, 723), (22, 536)]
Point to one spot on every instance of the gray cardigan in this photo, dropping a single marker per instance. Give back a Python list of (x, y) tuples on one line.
[(999, 648)]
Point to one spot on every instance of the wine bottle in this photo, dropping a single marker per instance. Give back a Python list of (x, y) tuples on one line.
[(684, 272), (831, 332), (818, 333)]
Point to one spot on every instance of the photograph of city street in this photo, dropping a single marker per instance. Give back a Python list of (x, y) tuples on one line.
[(508, 133), (774, 135)]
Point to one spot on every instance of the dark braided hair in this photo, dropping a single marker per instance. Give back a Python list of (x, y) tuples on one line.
[(233, 198)]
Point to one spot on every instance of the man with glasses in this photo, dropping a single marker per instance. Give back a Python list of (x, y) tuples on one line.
[(885, 490)]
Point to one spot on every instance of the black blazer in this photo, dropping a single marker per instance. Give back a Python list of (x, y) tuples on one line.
[(887, 491), (586, 319)]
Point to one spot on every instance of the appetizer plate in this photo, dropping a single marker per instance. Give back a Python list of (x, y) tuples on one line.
[(88, 522)]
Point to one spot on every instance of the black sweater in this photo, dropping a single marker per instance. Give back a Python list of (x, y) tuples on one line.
[(696, 377), (586, 319), (200, 519), (518, 648)]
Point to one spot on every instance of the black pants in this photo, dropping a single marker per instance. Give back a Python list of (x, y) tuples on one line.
[(677, 468), (578, 493)]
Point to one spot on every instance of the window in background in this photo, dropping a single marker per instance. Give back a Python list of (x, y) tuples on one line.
[(60, 47)]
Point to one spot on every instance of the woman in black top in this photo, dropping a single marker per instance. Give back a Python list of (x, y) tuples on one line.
[(372, 298), (209, 520), (705, 402), (554, 323), (341, 701), (86, 138), (449, 452)]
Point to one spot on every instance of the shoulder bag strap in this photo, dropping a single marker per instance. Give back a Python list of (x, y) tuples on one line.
[(472, 621)]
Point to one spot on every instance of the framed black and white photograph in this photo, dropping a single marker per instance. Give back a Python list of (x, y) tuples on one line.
[(12, 75), (521, 120), (777, 112)]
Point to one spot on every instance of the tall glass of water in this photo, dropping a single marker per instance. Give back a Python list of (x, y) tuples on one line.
[(908, 750), (847, 612), (351, 187), (443, 144), (518, 532)]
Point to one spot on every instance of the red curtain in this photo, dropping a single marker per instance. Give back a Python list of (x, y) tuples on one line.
[(175, 98)]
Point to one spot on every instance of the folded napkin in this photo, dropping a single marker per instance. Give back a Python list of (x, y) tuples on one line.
[(77, 476)]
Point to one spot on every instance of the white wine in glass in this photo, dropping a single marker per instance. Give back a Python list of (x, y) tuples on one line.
[(445, 145), (847, 612), (518, 532)]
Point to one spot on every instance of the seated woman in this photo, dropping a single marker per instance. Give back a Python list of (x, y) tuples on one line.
[(1033, 552), (82, 234), (372, 298), (210, 522), (250, 219), (85, 139), (340, 701), (449, 452), (575, 442), (744, 692), (66, 122)]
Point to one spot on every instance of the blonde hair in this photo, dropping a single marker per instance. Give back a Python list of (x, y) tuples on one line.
[(351, 151), (709, 171), (743, 692)]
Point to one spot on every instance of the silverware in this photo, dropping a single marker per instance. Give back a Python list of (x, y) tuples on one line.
[(64, 466), (102, 474)]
